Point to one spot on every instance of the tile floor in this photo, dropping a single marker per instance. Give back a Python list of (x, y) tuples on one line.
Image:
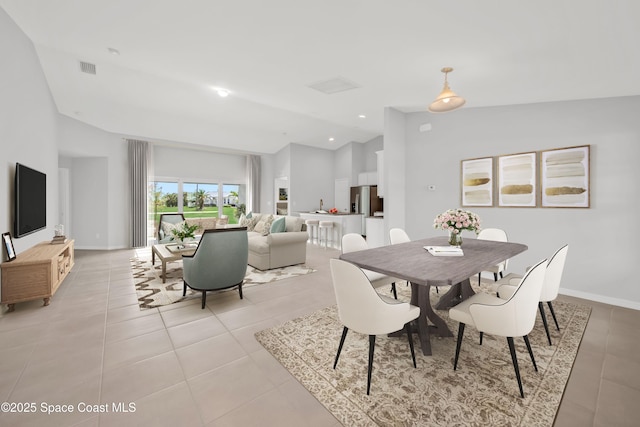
[(93, 348)]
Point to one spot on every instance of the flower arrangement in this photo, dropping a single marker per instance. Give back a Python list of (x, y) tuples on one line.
[(455, 221), (184, 232)]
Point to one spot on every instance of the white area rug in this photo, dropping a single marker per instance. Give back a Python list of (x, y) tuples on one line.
[(153, 293)]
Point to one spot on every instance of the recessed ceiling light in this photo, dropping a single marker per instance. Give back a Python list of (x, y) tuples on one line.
[(113, 51), (362, 116), (222, 92), (331, 139)]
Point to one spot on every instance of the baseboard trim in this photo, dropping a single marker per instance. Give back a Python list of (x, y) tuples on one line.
[(601, 298)]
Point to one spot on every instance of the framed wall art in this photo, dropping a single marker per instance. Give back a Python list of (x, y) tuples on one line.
[(8, 246), (517, 180), (477, 182), (564, 177)]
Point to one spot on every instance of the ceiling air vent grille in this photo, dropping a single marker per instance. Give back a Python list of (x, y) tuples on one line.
[(87, 67), (334, 85)]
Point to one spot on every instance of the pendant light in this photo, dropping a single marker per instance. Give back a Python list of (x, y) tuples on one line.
[(447, 100)]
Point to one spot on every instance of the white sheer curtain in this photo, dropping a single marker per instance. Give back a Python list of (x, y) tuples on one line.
[(138, 178), (253, 183)]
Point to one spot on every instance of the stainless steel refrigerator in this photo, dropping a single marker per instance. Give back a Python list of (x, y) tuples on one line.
[(365, 200)]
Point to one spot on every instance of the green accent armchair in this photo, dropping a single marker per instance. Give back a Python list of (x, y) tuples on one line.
[(219, 262)]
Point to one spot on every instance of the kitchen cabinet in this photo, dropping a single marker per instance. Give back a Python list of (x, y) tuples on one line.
[(375, 232), (368, 178)]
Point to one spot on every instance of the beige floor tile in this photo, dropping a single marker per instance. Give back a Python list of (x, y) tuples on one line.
[(172, 406), (572, 414), (242, 317), (142, 378), (209, 354), (276, 373), (127, 312), (134, 327), (230, 386), (14, 361), (124, 352), (185, 314), (195, 331), (617, 405), (622, 370), (246, 335), (302, 402)]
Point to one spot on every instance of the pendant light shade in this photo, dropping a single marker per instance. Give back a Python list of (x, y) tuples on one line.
[(447, 100)]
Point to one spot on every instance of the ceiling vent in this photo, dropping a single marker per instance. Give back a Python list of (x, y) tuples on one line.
[(334, 85), (87, 67)]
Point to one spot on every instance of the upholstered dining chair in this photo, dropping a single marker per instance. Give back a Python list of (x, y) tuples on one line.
[(219, 262), (497, 235), (514, 317), (363, 310), (397, 236), (550, 287), (352, 242)]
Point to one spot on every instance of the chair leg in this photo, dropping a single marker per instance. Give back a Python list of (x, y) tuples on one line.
[(495, 277), (372, 345), (479, 278), (481, 335), (460, 334), (533, 359), (501, 276), (184, 288), (413, 354), (437, 291), (553, 313), (514, 358), (344, 335), (544, 321), (204, 298), (393, 289), (240, 290)]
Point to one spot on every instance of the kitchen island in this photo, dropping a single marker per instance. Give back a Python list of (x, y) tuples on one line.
[(343, 223)]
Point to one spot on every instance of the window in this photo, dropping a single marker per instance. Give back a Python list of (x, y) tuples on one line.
[(194, 200)]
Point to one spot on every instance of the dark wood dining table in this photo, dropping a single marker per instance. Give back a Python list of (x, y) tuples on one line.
[(411, 262)]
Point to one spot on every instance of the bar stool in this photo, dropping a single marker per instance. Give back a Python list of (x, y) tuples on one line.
[(312, 229), (327, 226)]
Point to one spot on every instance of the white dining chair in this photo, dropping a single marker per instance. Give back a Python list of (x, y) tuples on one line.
[(550, 288), (352, 242), (497, 235), (514, 317), (364, 311), (397, 236)]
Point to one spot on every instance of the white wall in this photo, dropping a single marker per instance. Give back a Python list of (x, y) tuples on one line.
[(600, 264), (28, 128), (312, 178), (79, 142), (197, 164)]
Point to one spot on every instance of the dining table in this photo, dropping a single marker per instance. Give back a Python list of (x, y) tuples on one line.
[(412, 262)]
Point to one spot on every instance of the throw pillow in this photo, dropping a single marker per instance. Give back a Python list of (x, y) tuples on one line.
[(250, 223), (250, 214), (264, 225), (278, 225), (167, 227)]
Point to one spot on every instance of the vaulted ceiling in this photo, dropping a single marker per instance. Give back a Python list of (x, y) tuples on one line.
[(268, 54)]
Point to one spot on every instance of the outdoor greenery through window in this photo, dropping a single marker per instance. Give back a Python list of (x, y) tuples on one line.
[(194, 200)]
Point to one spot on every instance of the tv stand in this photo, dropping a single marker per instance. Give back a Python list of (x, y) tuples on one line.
[(36, 273)]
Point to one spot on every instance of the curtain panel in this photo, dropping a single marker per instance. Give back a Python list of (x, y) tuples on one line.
[(253, 181), (138, 164)]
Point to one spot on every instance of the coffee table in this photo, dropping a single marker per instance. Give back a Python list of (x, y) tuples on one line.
[(168, 252)]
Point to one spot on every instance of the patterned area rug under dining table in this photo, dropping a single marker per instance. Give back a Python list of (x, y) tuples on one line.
[(482, 392), (152, 292)]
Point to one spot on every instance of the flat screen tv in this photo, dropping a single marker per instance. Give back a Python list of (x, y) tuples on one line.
[(30, 205)]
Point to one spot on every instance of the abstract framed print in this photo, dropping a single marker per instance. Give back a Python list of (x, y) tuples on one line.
[(564, 177), (477, 182), (517, 180)]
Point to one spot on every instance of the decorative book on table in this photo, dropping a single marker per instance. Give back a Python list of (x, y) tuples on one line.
[(59, 240), (444, 250)]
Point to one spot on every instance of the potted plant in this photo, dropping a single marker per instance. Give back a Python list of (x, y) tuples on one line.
[(183, 232)]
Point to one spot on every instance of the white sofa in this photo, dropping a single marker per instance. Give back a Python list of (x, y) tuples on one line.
[(275, 250)]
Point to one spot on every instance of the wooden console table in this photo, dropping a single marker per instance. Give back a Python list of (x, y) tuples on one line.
[(36, 273)]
